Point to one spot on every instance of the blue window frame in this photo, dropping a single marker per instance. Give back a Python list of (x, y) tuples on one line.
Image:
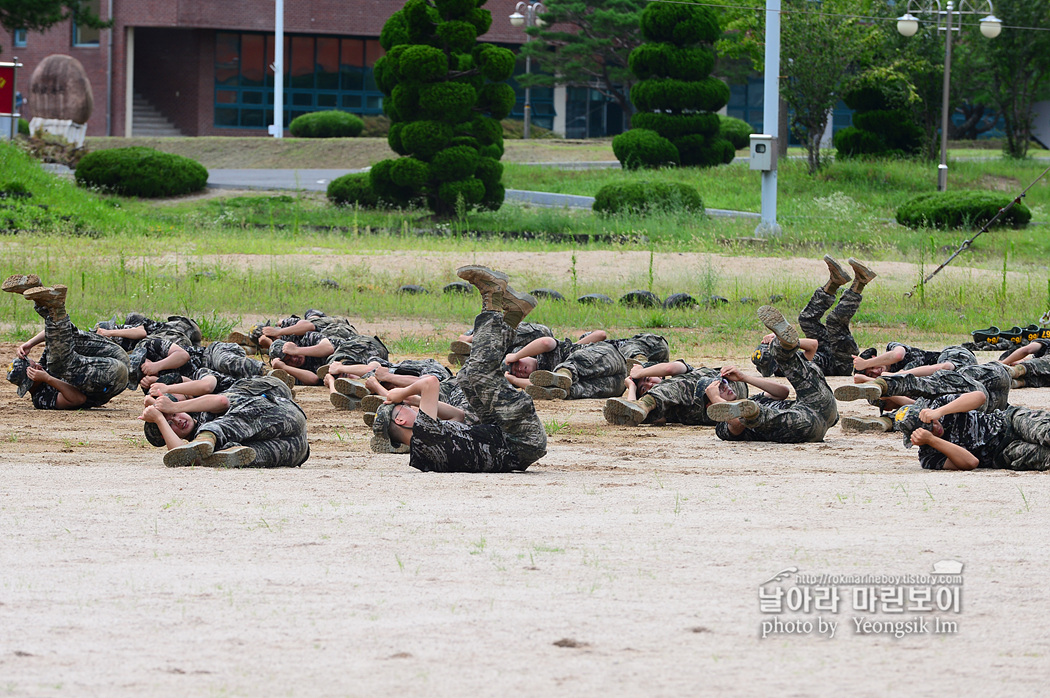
[(21, 38), (320, 73), (87, 37)]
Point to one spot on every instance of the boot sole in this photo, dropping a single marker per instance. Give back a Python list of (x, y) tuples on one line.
[(283, 376), (867, 424), (738, 409), (369, 418), (371, 403), (537, 392), (186, 455), (344, 402), (549, 379), (240, 338), (20, 283), (472, 272), (456, 359), (864, 273), (236, 457), (353, 388), (460, 347), (847, 393), (623, 412), (43, 294), (774, 321), (838, 274)]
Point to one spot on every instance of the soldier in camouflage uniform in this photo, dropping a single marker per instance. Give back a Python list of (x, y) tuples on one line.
[(643, 348), (213, 369), (899, 358), (77, 369), (771, 417), (506, 433), (830, 346), (1031, 373), (347, 384), (952, 435), (992, 379), (137, 327), (677, 393), (1035, 349), (254, 424), (551, 370), (526, 332)]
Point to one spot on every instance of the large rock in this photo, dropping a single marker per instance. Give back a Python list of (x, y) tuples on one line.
[(59, 89)]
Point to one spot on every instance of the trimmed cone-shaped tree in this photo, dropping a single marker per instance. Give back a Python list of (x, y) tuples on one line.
[(445, 96), (676, 97), (883, 125)]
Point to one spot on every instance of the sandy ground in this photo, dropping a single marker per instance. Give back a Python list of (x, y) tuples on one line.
[(626, 562)]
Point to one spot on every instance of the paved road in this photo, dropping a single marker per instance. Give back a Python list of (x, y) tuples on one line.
[(317, 180)]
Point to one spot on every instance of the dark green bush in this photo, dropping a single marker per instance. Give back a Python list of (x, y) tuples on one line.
[(425, 138), (394, 32), (672, 126), (496, 63), (471, 191), (352, 189), (679, 24), (736, 131), (422, 63), (23, 127), (451, 102), (142, 172), (852, 142), (497, 98), (456, 162), (641, 147), (409, 172), (667, 60), (961, 209), (647, 197), (326, 124), (894, 127), (454, 9), (458, 37), (709, 94)]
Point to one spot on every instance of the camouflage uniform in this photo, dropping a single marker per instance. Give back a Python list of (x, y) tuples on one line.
[(992, 379), (414, 367), (509, 434), (1028, 443), (310, 339), (682, 399), (525, 333), (598, 371), (262, 416), (806, 418), (334, 328), (835, 344), (1036, 372), (93, 365), (915, 357), (226, 358), (357, 349), (652, 346), (177, 330)]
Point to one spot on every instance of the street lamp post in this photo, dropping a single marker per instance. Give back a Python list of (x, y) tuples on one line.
[(529, 19), (908, 24)]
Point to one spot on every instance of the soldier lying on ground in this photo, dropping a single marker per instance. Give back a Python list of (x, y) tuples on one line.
[(771, 417), (901, 358), (347, 383), (551, 370), (78, 369), (676, 393), (1034, 349), (952, 435), (507, 435), (255, 423), (830, 346)]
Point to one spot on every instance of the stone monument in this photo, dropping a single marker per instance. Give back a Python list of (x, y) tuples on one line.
[(61, 99)]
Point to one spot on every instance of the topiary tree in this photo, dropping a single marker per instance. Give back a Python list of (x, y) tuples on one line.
[(882, 100), (676, 95), (445, 96)]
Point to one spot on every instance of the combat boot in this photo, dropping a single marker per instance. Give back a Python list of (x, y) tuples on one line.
[(19, 283), (539, 392), (738, 409), (838, 276), (562, 378), (51, 297), (867, 424), (619, 410), (775, 323), (491, 284), (234, 457), (861, 391), (516, 305), (864, 275)]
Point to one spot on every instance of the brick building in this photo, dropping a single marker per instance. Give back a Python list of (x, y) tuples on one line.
[(203, 64)]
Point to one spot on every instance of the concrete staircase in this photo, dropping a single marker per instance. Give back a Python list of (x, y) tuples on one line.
[(148, 122)]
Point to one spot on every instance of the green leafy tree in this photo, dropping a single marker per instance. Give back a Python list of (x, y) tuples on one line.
[(40, 15), (818, 50), (445, 96), (586, 42), (676, 96), (881, 98), (1020, 61)]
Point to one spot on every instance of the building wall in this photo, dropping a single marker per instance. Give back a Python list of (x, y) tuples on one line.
[(167, 63)]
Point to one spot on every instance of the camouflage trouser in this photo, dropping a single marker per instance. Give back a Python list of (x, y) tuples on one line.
[(813, 411), (181, 330), (680, 399), (1030, 447), (415, 367), (452, 394), (835, 344), (1036, 373), (92, 364), (266, 420), (230, 359), (960, 356), (598, 371), (335, 328), (992, 379), (527, 332), (652, 346), (490, 396), (358, 349)]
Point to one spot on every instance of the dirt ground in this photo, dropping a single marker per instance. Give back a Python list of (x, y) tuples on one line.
[(626, 562)]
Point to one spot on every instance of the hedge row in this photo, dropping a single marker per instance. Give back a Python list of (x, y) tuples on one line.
[(139, 171), (961, 209), (647, 197)]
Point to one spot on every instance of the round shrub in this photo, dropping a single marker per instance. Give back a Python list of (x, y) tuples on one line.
[(481, 19), (405, 100), (489, 171), (386, 190), (487, 130), (394, 32), (458, 37), (447, 101), (672, 126), (420, 20), (393, 139), (852, 142), (352, 189), (894, 127), (457, 162), (471, 191), (736, 131), (497, 99), (961, 209), (139, 171), (454, 9), (709, 94), (326, 124), (641, 147), (425, 138), (680, 24), (409, 172), (423, 63), (647, 197), (670, 61), (496, 63)]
